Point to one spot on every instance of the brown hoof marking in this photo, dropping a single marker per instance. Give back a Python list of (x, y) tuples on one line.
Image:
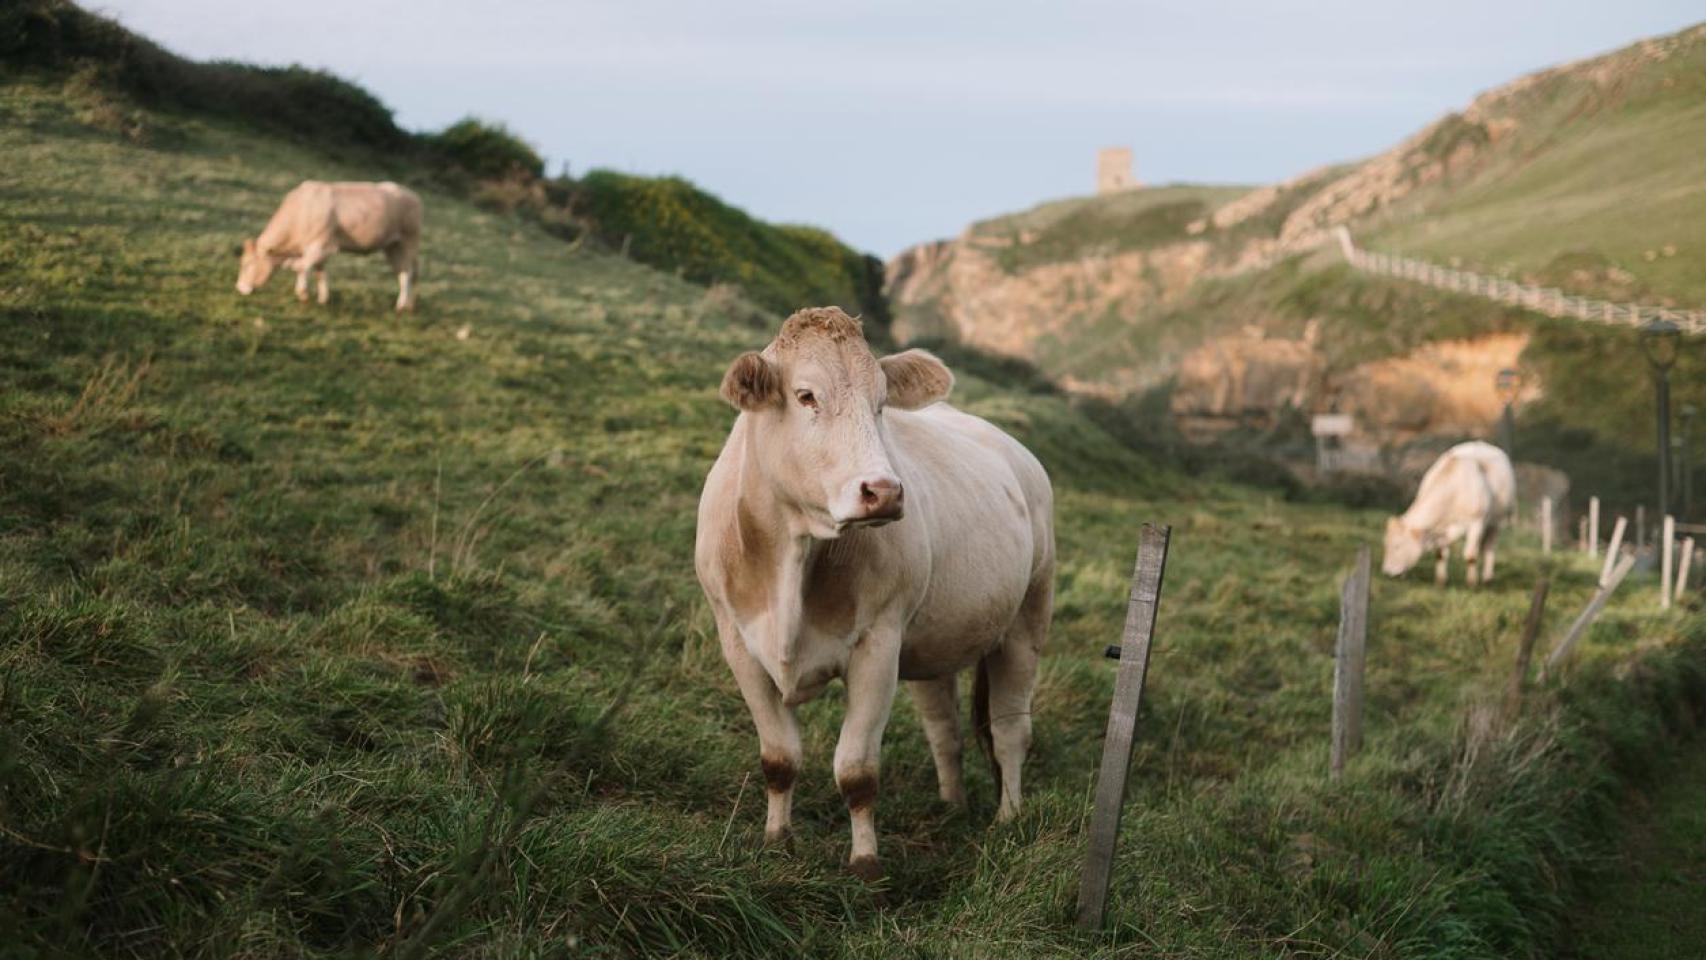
[(778, 773), (866, 868), (860, 789)]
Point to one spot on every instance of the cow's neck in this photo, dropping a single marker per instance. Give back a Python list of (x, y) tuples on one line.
[(776, 557)]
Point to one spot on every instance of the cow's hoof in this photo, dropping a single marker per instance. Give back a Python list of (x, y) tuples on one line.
[(867, 869), (783, 841)]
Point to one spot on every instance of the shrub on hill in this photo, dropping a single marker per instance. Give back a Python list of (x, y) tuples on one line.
[(488, 151), (671, 224), (57, 34)]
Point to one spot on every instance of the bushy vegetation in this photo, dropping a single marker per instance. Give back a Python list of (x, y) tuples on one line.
[(487, 150), (59, 35), (327, 633), (673, 225)]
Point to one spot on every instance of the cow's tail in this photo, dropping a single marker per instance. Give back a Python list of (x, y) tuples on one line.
[(980, 718)]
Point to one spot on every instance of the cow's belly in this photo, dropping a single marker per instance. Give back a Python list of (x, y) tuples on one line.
[(973, 599)]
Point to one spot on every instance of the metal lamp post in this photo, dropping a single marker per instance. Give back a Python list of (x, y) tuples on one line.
[(1686, 462), (1659, 340), (1507, 385)]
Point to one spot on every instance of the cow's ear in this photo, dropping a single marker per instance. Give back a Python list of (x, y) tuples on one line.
[(752, 383), (916, 379)]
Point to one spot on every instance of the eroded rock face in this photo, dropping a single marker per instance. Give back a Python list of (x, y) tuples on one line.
[(958, 289), (1245, 379), (1445, 387)]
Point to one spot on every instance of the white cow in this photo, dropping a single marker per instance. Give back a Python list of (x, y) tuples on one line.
[(812, 573), (319, 219), (1469, 493)]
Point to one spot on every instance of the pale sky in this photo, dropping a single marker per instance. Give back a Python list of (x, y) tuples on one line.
[(893, 122)]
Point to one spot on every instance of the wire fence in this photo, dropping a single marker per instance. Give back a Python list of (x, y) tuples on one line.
[(1546, 300)]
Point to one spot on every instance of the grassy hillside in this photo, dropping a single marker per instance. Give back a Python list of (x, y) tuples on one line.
[(325, 631)]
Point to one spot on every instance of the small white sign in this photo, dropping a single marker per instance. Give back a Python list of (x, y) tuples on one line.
[(1333, 424)]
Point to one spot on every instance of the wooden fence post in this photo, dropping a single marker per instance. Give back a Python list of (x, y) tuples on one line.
[(1582, 533), (1667, 541), (1587, 616), (1640, 527), (1135, 643), (1525, 648), (1682, 569), (1546, 526), (1612, 548), (1348, 661), (1593, 527)]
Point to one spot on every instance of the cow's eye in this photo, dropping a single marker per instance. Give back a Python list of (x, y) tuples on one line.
[(806, 398)]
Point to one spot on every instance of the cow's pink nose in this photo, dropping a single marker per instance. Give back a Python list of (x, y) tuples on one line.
[(881, 498)]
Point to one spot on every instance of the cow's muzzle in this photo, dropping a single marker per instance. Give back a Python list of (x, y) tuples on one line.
[(881, 500)]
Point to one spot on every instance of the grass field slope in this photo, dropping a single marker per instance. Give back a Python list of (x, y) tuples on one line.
[(333, 632)]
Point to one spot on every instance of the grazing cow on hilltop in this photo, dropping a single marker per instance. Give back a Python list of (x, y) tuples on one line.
[(1468, 493), (855, 527), (319, 219)]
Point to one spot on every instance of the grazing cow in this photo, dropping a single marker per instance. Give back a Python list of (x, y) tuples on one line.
[(319, 219), (855, 527), (1468, 493)]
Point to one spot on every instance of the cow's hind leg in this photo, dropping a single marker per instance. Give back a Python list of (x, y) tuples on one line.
[(938, 705), (778, 732), (1007, 678), (325, 289), (405, 263), (1472, 555), (871, 675), (1489, 541)]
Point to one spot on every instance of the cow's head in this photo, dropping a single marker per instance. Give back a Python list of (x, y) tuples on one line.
[(256, 268), (815, 397), (1404, 546)]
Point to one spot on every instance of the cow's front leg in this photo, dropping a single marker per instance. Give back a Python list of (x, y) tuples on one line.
[(872, 670), (302, 270), (1442, 566), (325, 291), (778, 731)]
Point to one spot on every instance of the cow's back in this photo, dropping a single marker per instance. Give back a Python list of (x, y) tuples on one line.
[(371, 216), (1470, 483)]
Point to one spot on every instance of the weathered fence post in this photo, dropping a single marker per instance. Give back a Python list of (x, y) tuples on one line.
[(1135, 643), (1546, 526), (1640, 527), (1587, 616), (1348, 662), (1612, 548), (1525, 648), (1667, 541), (1593, 527), (1682, 569), (1582, 533)]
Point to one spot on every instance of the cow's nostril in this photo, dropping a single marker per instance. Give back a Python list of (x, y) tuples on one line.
[(867, 496)]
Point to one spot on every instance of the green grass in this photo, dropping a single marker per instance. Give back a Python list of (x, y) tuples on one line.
[(1647, 905), (330, 632)]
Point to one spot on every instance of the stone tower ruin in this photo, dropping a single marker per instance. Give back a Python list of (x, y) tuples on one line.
[(1113, 170)]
